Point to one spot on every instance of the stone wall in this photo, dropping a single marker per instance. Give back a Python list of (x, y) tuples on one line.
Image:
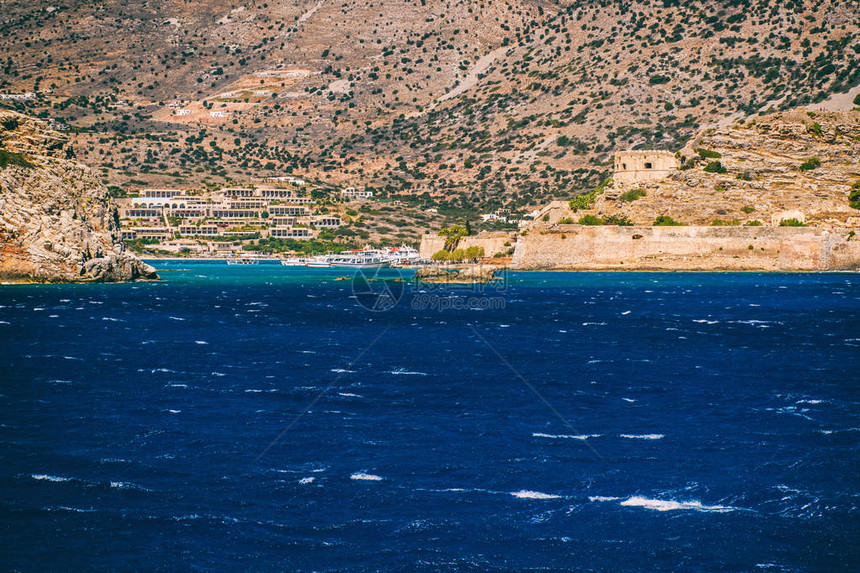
[(633, 167), (492, 242), (687, 248)]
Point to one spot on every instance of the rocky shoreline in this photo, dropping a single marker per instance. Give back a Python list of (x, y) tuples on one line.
[(467, 275), (58, 223)]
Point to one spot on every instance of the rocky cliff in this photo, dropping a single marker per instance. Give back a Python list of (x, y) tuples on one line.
[(57, 221)]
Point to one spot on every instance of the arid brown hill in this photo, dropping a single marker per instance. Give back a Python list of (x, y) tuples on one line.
[(474, 103)]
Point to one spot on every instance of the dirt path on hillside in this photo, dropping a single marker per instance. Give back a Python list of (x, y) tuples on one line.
[(471, 79)]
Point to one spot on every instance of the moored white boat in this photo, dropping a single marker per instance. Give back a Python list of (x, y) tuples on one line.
[(366, 259)]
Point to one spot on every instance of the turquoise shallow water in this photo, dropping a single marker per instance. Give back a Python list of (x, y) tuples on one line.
[(261, 417)]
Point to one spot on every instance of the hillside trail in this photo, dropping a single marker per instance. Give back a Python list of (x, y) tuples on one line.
[(472, 77)]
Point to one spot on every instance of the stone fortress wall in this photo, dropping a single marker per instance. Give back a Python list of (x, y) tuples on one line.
[(694, 248)]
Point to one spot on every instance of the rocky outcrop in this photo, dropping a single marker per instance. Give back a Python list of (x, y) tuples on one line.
[(57, 221), (470, 274)]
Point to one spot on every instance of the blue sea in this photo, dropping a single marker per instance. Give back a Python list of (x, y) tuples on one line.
[(272, 418)]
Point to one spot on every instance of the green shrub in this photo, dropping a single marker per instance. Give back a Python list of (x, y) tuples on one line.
[(791, 223), (747, 209), (810, 164), (441, 256), (475, 252), (458, 255), (857, 99), (658, 79), (815, 129), (586, 201), (9, 158), (745, 176), (590, 220), (666, 221), (632, 195), (715, 167), (854, 196), (753, 223), (708, 153), (725, 223), (582, 202), (619, 220)]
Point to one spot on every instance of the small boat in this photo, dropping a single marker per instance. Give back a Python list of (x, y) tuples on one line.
[(318, 262), (402, 255), (294, 262)]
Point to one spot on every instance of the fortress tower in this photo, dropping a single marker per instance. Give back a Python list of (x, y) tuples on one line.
[(635, 167)]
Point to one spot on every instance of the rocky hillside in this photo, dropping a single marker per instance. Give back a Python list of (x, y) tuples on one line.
[(57, 221), (469, 104), (788, 165)]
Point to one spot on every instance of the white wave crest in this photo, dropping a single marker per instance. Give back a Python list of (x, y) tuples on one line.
[(565, 436), (365, 477), (46, 477), (602, 498), (643, 436), (126, 485), (307, 480), (526, 494), (671, 504)]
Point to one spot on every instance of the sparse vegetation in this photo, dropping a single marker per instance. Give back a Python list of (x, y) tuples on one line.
[(632, 195), (619, 220), (8, 158), (792, 223), (708, 153), (854, 195), (810, 164), (666, 221), (715, 167), (586, 201), (590, 220)]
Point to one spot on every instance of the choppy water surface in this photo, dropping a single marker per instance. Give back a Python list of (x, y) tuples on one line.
[(623, 422)]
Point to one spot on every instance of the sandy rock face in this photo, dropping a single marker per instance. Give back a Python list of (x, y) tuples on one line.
[(57, 221)]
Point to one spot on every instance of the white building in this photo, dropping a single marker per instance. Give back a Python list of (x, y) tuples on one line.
[(486, 217), (354, 194)]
